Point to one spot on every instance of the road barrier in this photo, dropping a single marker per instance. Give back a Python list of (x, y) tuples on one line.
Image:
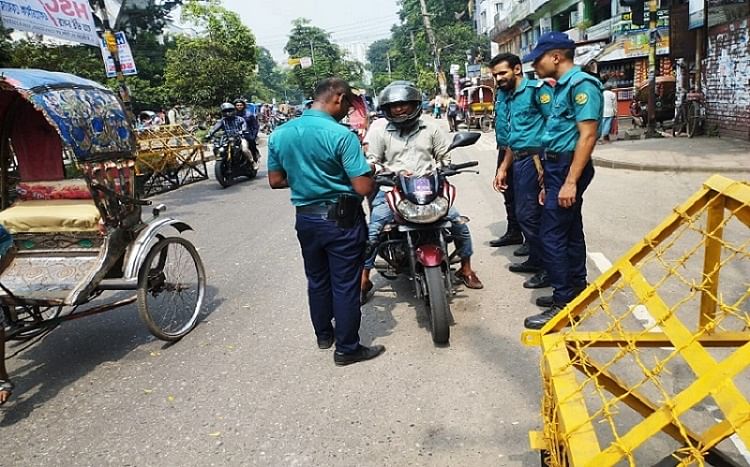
[(169, 156), (650, 365)]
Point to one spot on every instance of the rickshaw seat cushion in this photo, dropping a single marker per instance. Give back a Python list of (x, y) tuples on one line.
[(51, 216), (55, 189)]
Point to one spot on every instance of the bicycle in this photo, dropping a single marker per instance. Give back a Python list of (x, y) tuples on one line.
[(690, 116)]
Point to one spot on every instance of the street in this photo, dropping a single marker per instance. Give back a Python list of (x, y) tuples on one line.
[(249, 387)]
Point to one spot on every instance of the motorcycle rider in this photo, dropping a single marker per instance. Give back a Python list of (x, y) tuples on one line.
[(252, 128), (231, 123), (407, 143)]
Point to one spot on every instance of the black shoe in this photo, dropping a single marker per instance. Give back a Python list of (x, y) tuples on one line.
[(523, 251), (510, 238), (537, 281), (538, 321), (525, 267), (547, 301), (362, 354), (325, 343)]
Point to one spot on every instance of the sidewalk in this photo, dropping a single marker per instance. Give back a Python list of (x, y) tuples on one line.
[(680, 154)]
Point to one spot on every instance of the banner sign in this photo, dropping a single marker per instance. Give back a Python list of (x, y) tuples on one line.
[(127, 63), (305, 62), (70, 20), (697, 14), (293, 61)]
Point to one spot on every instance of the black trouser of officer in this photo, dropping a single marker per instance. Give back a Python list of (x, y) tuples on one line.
[(510, 207), (333, 264)]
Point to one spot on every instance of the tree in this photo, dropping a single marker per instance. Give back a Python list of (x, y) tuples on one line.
[(306, 40), (213, 67)]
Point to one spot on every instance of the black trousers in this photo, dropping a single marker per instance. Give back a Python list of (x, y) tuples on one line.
[(509, 198)]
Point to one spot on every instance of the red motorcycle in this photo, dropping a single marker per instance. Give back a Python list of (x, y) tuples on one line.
[(416, 243)]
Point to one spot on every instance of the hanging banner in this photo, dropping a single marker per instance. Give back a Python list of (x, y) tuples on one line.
[(293, 62), (305, 62), (64, 19), (697, 14), (127, 63)]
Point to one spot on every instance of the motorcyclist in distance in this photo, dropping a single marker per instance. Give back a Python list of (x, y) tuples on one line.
[(252, 128), (231, 123)]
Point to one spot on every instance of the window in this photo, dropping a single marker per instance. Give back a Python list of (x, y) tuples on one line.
[(483, 21)]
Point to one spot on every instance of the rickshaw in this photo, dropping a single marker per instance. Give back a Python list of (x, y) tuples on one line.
[(478, 106), (75, 216), (665, 101)]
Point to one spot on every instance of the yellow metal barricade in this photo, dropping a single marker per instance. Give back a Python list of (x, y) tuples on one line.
[(651, 363), (169, 156)]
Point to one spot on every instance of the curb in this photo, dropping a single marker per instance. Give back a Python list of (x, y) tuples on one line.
[(613, 164)]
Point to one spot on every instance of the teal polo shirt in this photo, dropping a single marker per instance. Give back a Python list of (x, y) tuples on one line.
[(577, 97), (319, 157), (501, 118), (528, 106)]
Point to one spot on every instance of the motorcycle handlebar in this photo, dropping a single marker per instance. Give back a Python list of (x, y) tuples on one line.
[(464, 165)]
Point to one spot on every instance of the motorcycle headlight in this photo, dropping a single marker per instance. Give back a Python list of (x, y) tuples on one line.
[(423, 214)]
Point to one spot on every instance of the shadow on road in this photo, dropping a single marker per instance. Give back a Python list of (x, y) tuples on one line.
[(75, 349)]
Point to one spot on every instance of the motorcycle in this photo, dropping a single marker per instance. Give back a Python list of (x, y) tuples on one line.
[(416, 243), (231, 162)]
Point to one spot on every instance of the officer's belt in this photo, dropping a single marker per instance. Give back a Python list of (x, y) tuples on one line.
[(552, 156), (314, 209), (526, 152)]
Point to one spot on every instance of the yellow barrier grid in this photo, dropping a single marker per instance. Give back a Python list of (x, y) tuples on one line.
[(169, 156), (651, 363)]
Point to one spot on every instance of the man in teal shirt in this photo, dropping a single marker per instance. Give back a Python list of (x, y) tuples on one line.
[(513, 235), (528, 102), (323, 164), (569, 139)]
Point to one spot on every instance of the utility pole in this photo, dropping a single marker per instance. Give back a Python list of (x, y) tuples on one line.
[(388, 56), (433, 44), (312, 59), (414, 52), (111, 41), (652, 66)]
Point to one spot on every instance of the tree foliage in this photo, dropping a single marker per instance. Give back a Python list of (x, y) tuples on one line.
[(215, 66), (454, 33), (306, 40)]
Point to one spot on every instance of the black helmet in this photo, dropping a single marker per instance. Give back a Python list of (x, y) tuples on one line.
[(240, 100), (401, 91), (227, 109)]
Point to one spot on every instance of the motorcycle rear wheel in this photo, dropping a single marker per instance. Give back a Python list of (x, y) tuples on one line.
[(220, 173), (439, 307)]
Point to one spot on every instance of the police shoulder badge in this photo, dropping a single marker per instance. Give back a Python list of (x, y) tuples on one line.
[(545, 98), (582, 98)]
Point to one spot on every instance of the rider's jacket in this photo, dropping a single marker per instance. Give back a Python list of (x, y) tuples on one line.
[(252, 123), (419, 150), (229, 125)]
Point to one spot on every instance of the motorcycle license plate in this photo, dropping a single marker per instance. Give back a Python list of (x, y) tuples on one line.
[(422, 186)]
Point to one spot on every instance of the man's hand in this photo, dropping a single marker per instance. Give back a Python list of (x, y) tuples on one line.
[(542, 196), (500, 183), (567, 196)]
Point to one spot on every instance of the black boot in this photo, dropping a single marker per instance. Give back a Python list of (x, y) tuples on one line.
[(537, 281), (510, 238), (538, 321), (522, 251)]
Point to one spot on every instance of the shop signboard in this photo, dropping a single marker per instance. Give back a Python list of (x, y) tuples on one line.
[(64, 19), (637, 45)]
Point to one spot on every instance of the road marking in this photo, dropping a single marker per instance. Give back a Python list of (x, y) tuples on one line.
[(642, 314)]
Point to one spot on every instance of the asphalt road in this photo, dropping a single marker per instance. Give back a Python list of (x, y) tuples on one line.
[(249, 387)]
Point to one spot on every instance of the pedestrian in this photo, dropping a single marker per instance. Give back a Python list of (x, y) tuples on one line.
[(512, 235), (452, 114), (609, 113), (569, 139), (411, 144), (323, 164), (528, 101), (173, 116), (438, 107)]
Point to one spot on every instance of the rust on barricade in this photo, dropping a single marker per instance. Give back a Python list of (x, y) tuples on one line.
[(169, 156), (651, 363)]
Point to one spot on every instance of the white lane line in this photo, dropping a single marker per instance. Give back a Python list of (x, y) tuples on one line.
[(642, 314)]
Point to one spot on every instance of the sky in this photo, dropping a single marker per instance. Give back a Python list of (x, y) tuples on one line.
[(348, 21)]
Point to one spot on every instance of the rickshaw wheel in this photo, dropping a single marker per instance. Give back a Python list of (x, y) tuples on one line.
[(171, 288), (485, 124)]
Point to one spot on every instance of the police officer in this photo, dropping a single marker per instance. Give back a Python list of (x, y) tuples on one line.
[(528, 101), (569, 139), (512, 234), (322, 163)]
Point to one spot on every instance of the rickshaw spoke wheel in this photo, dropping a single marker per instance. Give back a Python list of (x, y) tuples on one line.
[(171, 288)]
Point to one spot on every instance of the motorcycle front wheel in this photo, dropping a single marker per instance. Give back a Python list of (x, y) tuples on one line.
[(439, 307), (220, 171)]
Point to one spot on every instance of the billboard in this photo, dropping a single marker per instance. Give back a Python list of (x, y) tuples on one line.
[(70, 20)]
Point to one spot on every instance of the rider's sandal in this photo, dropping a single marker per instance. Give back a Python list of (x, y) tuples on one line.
[(6, 385)]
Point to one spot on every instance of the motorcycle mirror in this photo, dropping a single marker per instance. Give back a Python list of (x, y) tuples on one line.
[(463, 139)]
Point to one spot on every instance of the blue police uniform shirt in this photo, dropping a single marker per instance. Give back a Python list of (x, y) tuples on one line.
[(528, 107), (501, 118), (577, 97), (319, 157)]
